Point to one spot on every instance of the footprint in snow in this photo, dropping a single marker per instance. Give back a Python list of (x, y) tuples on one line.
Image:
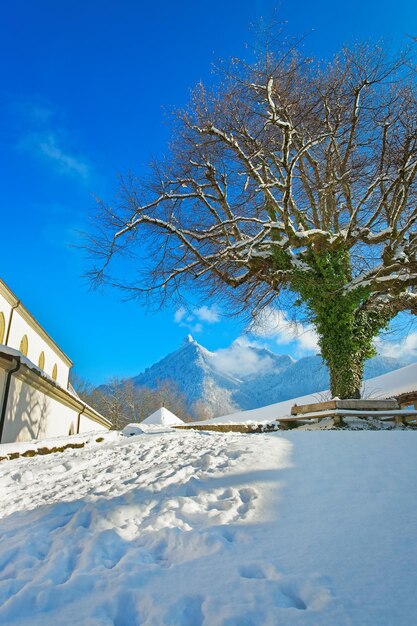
[(186, 612), (228, 534), (260, 571), (126, 611), (287, 591)]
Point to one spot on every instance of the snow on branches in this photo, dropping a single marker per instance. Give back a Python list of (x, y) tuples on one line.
[(285, 158)]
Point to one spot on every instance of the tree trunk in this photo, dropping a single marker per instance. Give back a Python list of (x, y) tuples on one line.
[(346, 343), (346, 375), (345, 326)]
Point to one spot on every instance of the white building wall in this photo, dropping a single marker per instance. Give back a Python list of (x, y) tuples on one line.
[(6, 309), (87, 425), (31, 414), (2, 383), (36, 345)]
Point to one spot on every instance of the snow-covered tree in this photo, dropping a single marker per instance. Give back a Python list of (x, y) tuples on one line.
[(291, 176), (115, 402)]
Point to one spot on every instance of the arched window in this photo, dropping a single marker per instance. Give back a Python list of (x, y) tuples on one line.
[(41, 360), (2, 327), (55, 372), (24, 345)]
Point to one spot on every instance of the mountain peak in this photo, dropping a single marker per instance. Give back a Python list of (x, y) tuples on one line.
[(188, 339)]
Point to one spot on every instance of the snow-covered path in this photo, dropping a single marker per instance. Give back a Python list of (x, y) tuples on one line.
[(192, 528)]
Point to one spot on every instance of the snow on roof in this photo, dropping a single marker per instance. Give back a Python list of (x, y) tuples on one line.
[(163, 416), (388, 385)]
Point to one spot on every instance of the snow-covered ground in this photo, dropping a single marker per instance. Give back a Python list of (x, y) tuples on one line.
[(191, 528)]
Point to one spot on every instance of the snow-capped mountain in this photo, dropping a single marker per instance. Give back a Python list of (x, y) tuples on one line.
[(243, 376)]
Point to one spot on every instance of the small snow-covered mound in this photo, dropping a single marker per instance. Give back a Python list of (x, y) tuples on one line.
[(132, 429), (163, 417)]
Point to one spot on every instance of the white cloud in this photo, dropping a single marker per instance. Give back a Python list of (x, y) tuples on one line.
[(38, 112), (195, 319), (45, 136), (402, 349), (66, 163), (48, 146), (207, 314), (274, 324), (180, 314), (242, 359)]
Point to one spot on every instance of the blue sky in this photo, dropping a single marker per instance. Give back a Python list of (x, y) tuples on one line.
[(83, 89)]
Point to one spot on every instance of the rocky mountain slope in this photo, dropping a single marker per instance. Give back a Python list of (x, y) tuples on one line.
[(215, 384)]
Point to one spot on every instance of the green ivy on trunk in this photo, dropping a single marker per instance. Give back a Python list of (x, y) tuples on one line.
[(346, 329)]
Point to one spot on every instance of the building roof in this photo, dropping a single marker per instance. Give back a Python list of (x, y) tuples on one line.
[(163, 416)]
